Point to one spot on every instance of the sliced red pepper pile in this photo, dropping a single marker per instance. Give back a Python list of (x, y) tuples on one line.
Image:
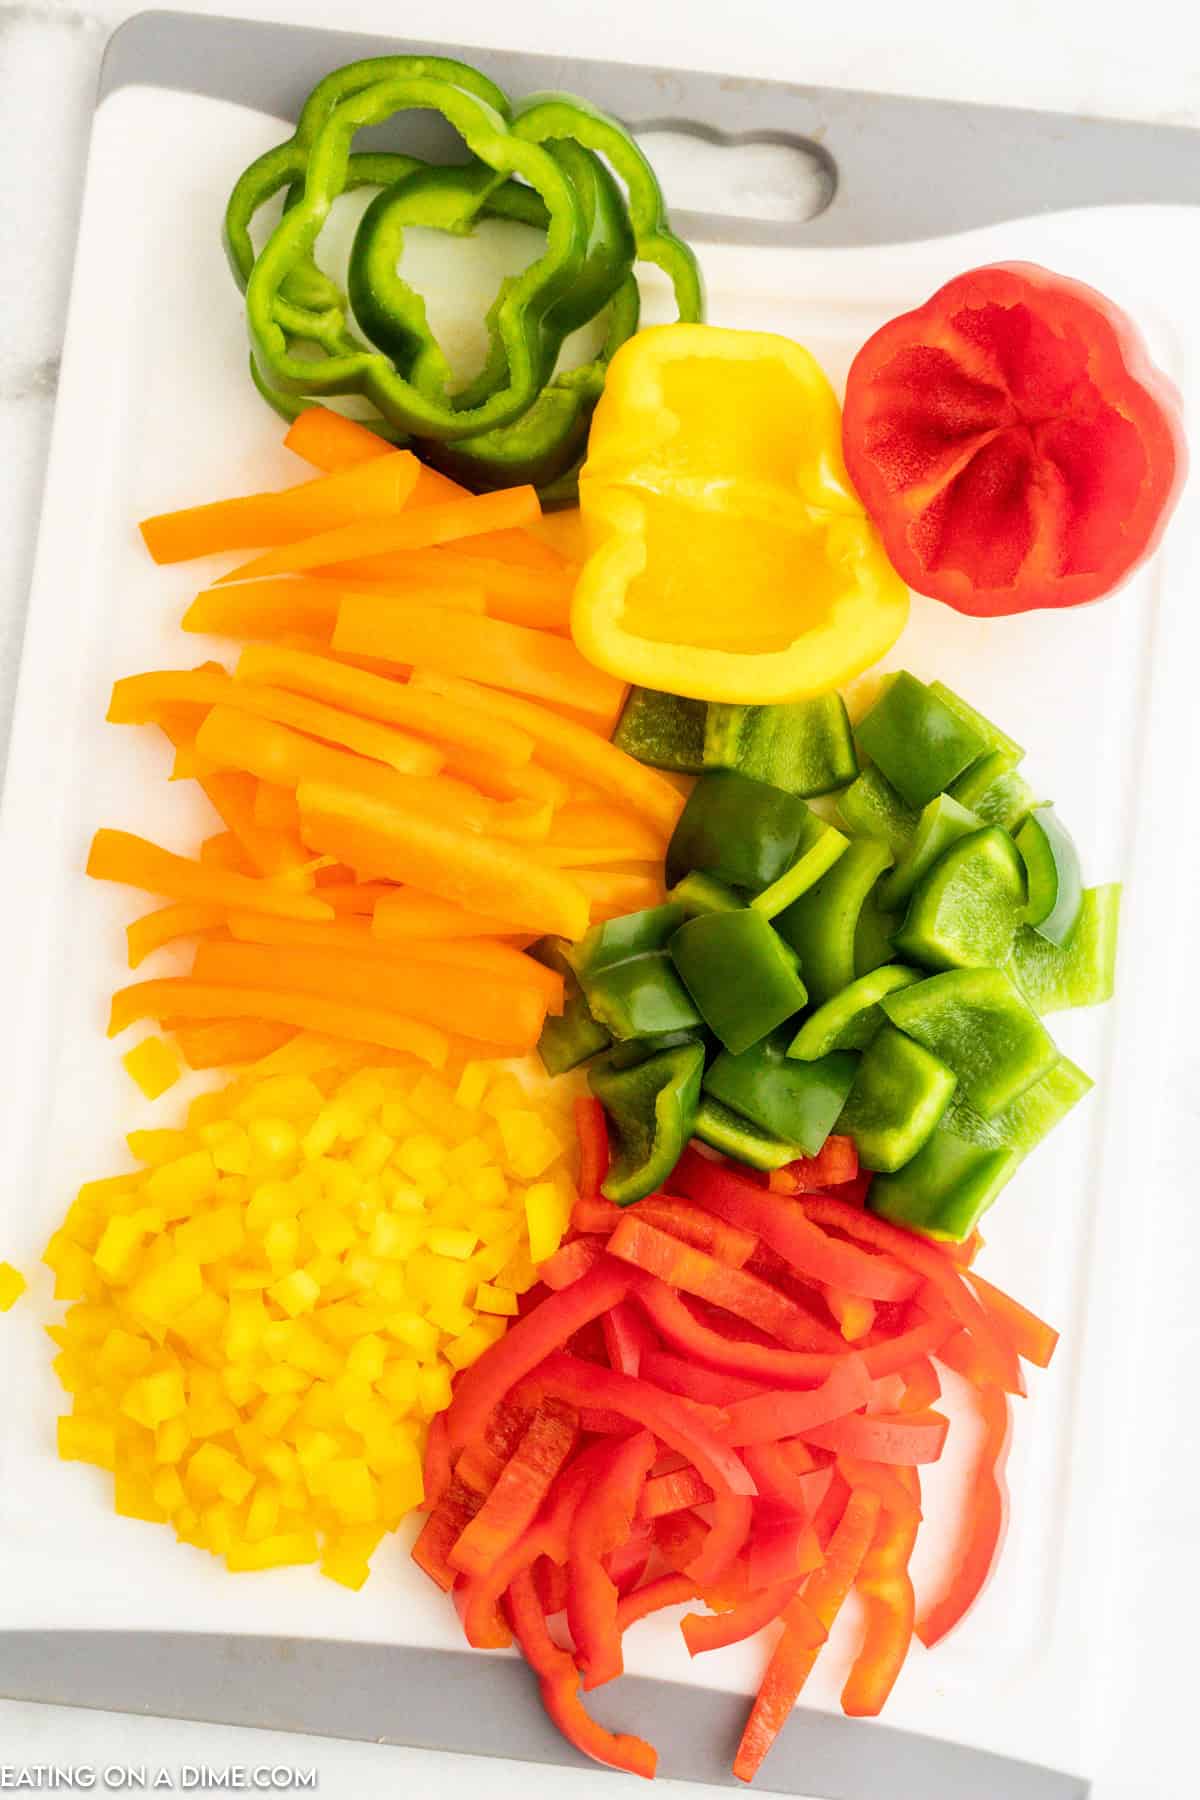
[(722, 1396)]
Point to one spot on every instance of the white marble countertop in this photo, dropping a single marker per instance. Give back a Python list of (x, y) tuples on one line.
[(1078, 55)]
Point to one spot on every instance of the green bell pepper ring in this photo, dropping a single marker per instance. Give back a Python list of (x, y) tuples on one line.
[(978, 1024), (965, 910), (852, 1019), (871, 807), (740, 974), (1081, 974), (664, 730), (743, 832), (573, 1036), (797, 1102), (899, 1095), (822, 925), (941, 824), (916, 741), (1053, 876), (652, 1110), (727, 1131), (806, 748)]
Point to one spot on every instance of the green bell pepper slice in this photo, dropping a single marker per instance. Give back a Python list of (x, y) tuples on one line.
[(899, 1095), (852, 1019), (992, 736), (871, 807), (874, 935), (698, 893), (916, 741), (798, 1102), (742, 831), (817, 857), (946, 1188), (651, 1107), (733, 1135), (664, 730), (978, 1024), (1053, 876), (1025, 1121), (993, 790), (822, 925), (631, 934), (805, 748), (964, 911), (1081, 973), (740, 974), (573, 1036), (628, 1052), (627, 976), (941, 824)]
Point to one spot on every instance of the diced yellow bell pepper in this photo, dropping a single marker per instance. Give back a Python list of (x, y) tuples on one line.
[(154, 1066)]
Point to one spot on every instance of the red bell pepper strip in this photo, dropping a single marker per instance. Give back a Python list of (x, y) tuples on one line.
[(922, 1387), (683, 1220), (483, 1462), (907, 1438), (673, 1493), (679, 1538), (527, 1343), (627, 1338), (771, 1416), (559, 1680), (442, 1530), (550, 1579), (512, 1505), (782, 1548), (836, 1162), (886, 1587), (694, 1383), (926, 1261), (570, 1262), (437, 1468), (602, 1421), (1029, 1336), (962, 1354), (603, 1521), (792, 1662), (673, 1589), (714, 1631), (831, 1508), (975, 1556), (627, 1563), (782, 1224), (898, 1487), (591, 1128), (779, 1482)]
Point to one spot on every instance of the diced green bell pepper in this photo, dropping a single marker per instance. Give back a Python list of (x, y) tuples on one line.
[(1053, 875), (1081, 974), (699, 893), (993, 790), (795, 1101), (916, 741), (1025, 1121), (821, 926), (964, 911), (871, 807), (941, 824), (742, 831), (628, 978), (815, 860), (873, 935), (727, 1131), (978, 1024), (993, 737), (652, 1110), (804, 748), (628, 1052), (946, 1188), (572, 1037), (851, 1019), (900, 1093), (664, 730), (739, 972), (632, 934)]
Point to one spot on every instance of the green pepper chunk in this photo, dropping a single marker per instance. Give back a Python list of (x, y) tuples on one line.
[(740, 974), (664, 730), (965, 910), (728, 1131), (1083, 973), (652, 1109), (946, 1188), (698, 893), (628, 1052), (1025, 1121), (916, 741), (798, 1102), (742, 831), (977, 1023), (632, 934), (874, 935), (992, 736), (805, 748), (900, 1093), (852, 1019), (1054, 877), (574, 1036), (994, 792), (822, 925), (941, 824), (871, 807), (627, 976), (816, 858)]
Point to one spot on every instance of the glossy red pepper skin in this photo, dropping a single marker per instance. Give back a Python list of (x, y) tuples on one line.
[(1013, 442), (591, 1129), (603, 1522), (984, 1523), (771, 1416), (887, 1590), (520, 1489)]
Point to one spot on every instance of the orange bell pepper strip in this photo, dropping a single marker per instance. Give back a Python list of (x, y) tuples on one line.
[(767, 1417), (614, 892), (1030, 1337), (922, 1387), (886, 1587), (376, 491), (796, 1653), (500, 1012), (975, 1555), (403, 843), (603, 1522), (268, 850), (179, 997), (183, 919), (559, 1680), (416, 528), (585, 835), (506, 781), (571, 749), (223, 1043), (134, 862), (329, 440), (275, 807), (493, 651), (520, 1489), (374, 697), (407, 916), (522, 595), (265, 609)]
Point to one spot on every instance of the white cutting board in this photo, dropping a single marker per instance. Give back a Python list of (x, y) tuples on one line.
[(156, 410)]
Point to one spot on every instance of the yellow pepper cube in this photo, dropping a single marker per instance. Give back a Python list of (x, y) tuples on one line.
[(346, 1557), (530, 1146), (283, 1463), (547, 1215), (273, 1142), (458, 1245), (400, 1490), (518, 1273), (212, 1235), (344, 1320), (372, 1152), (171, 1440), (400, 1195), (433, 1390), (395, 1236), (245, 1325), (472, 1086), (297, 1293), (280, 1551), (504, 1094), (153, 1399), (274, 1413), (133, 1498), (218, 1522), (468, 1347), (123, 1355), (288, 1097), (163, 1294), (418, 1334), (157, 1147), (330, 1230), (153, 1065), (168, 1491), (488, 1262), (262, 1515), (367, 1358), (12, 1286), (228, 1145), (420, 1156), (271, 1202), (281, 1241), (493, 1223), (398, 1385), (202, 1323), (489, 1299), (240, 1385), (321, 1135), (487, 1187), (87, 1440), (351, 1490), (120, 1242), (183, 1182)]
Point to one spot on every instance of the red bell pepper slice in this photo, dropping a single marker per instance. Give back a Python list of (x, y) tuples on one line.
[(674, 1493), (780, 1483), (771, 1416), (782, 1225), (442, 1530), (591, 1128), (437, 1466), (886, 1588), (1013, 442), (694, 1383), (714, 1631), (603, 1521), (984, 1519), (559, 1680), (679, 1217), (835, 1163), (570, 1263), (483, 1462), (602, 1421), (907, 1438), (512, 1505), (899, 1487), (550, 1579), (1029, 1336), (527, 1343), (922, 1386), (680, 1537), (627, 1338), (782, 1548), (627, 1563), (794, 1655), (673, 1589)]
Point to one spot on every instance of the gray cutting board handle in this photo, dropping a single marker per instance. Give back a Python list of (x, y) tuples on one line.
[(896, 169)]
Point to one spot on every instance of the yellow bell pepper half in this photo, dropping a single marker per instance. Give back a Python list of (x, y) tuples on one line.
[(729, 556)]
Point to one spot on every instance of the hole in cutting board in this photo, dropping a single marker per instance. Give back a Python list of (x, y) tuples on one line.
[(778, 180)]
